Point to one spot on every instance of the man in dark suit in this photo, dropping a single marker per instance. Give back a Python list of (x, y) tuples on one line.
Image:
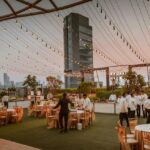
[(64, 111)]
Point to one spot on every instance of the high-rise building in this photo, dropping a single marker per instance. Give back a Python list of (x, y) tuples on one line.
[(6, 80), (77, 48)]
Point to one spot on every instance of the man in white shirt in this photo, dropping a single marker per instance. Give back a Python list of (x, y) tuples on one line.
[(79, 101), (49, 96), (5, 99), (128, 97), (139, 103), (147, 108), (86, 103), (112, 97), (132, 106), (123, 110), (144, 97)]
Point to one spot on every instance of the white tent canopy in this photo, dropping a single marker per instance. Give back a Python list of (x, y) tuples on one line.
[(34, 44)]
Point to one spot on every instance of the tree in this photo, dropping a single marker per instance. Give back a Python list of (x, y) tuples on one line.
[(133, 81), (53, 83), (86, 87), (31, 82)]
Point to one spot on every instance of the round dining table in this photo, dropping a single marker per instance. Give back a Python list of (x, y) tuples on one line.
[(138, 132)]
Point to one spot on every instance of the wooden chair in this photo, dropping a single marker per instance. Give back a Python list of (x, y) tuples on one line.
[(146, 140), (14, 117), (73, 120), (85, 117), (3, 117), (124, 141), (20, 114), (52, 118), (37, 111), (132, 125), (127, 135)]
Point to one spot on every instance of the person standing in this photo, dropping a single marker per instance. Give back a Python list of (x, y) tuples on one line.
[(123, 110), (144, 97), (138, 102), (64, 111), (113, 97), (5, 99), (147, 109), (132, 106), (128, 97)]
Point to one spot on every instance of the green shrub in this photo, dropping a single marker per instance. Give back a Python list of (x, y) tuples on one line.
[(58, 96), (2, 94), (103, 94)]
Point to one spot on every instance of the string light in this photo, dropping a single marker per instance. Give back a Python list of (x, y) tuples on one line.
[(119, 32)]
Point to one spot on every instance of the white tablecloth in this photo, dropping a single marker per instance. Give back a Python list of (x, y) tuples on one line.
[(80, 111), (143, 127), (138, 131), (10, 110)]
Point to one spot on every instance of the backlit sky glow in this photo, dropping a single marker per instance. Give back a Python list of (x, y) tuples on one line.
[(34, 45)]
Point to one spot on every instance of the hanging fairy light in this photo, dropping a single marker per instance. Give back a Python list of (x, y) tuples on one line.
[(118, 31)]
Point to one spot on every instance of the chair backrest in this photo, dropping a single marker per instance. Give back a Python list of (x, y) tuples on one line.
[(132, 124), (146, 138), (73, 115), (121, 131), (3, 113)]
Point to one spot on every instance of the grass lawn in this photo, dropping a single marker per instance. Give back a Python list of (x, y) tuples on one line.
[(33, 132)]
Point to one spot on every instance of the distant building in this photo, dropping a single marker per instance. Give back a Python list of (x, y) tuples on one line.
[(12, 84), (6, 80), (78, 47)]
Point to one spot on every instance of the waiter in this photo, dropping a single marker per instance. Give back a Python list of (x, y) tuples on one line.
[(147, 108), (5, 99), (64, 111)]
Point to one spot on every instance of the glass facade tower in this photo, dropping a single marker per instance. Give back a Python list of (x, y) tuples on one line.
[(78, 48)]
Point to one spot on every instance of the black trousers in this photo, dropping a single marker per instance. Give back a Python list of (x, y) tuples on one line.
[(148, 116), (138, 109), (132, 113), (144, 112), (128, 112), (63, 115), (123, 116), (6, 104)]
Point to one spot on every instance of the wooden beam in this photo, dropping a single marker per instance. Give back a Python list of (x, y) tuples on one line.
[(10, 7), (139, 65), (6, 17), (55, 6), (32, 6), (2, 18)]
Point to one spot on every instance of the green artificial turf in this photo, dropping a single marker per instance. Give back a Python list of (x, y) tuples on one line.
[(32, 131)]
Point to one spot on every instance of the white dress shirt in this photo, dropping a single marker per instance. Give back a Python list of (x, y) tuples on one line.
[(123, 105), (147, 104), (138, 99), (128, 97), (132, 104), (79, 102), (143, 98), (5, 98), (113, 97), (87, 104)]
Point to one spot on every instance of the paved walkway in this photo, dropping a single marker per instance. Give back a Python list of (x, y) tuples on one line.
[(9, 145)]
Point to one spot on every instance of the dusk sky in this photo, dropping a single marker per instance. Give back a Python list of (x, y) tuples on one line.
[(34, 45)]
